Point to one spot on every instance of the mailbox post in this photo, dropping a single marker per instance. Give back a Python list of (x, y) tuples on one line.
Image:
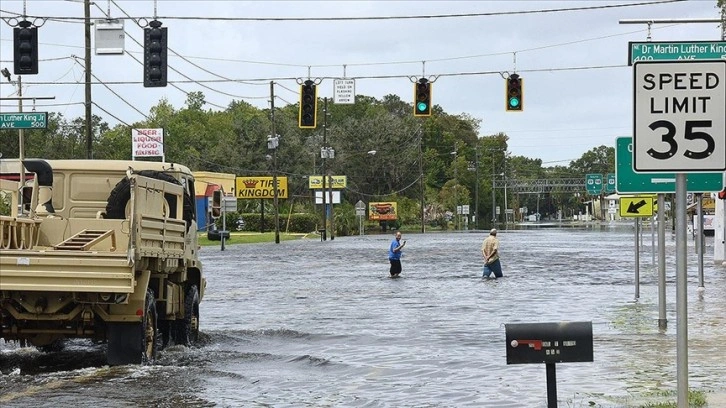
[(549, 343)]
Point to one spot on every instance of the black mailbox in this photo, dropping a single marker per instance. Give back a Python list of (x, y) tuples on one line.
[(564, 342)]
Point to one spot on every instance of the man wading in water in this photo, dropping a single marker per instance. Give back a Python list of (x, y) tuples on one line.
[(394, 254)]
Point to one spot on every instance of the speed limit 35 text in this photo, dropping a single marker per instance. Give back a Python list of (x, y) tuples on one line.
[(680, 82)]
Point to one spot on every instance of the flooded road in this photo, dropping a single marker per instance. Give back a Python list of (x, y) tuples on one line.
[(320, 324)]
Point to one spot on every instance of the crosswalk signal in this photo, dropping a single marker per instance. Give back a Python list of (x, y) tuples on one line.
[(25, 42), (422, 98), (155, 42), (515, 102), (307, 117)]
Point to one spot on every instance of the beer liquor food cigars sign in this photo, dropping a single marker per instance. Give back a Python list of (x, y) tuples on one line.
[(679, 116)]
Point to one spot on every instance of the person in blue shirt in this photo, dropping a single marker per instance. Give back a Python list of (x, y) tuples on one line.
[(394, 254)]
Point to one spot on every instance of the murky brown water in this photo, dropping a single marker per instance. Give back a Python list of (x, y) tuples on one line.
[(310, 323)]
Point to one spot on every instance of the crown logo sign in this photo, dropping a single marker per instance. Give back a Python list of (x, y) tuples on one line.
[(250, 183)]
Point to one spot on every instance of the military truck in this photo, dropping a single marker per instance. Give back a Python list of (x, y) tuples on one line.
[(101, 250)]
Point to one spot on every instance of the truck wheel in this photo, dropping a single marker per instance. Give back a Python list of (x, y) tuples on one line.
[(135, 343), (121, 194), (186, 332)]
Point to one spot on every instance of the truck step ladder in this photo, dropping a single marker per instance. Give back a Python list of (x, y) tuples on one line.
[(86, 239)]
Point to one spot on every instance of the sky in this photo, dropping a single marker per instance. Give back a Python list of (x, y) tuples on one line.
[(578, 87)]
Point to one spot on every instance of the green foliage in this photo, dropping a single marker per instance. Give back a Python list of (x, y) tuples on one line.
[(4, 204), (409, 152)]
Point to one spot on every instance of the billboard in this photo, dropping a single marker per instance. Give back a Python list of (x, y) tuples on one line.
[(382, 211), (251, 187)]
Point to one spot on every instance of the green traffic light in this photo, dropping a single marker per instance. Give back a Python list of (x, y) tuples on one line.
[(513, 102), (421, 106)]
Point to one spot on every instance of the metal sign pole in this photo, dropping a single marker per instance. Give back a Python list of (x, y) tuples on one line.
[(662, 322), (551, 385), (637, 258), (681, 294)]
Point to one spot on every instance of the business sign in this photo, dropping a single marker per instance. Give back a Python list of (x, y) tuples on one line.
[(383, 211), (334, 182), (679, 116), (676, 51), (22, 120), (333, 198), (260, 187), (636, 206), (147, 142), (344, 91), (629, 182), (593, 183)]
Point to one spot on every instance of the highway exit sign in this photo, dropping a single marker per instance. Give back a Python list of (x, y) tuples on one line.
[(24, 120), (629, 182), (676, 50)]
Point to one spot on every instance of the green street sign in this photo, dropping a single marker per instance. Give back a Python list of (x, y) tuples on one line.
[(593, 183), (23, 120), (610, 186), (628, 181), (676, 50)]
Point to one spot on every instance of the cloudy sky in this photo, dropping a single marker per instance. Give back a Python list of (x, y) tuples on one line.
[(577, 84)]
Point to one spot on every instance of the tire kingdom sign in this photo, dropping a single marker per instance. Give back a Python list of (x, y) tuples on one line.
[(679, 116)]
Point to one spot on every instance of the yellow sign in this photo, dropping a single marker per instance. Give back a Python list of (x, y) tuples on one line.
[(382, 211), (260, 187), (330, 182), (636, 206)]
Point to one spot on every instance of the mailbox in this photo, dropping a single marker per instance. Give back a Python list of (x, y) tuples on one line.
[(564, 342)]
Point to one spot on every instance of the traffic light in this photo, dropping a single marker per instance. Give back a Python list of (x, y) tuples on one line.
[(216, 203), (722, 194), (155, 55), (422, 98), (515, 94), (25, 40), (307, 117)]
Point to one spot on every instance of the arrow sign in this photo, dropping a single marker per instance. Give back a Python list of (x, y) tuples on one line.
[(636, 206)]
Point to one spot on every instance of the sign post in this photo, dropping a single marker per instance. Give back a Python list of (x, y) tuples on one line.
[(679, 124)]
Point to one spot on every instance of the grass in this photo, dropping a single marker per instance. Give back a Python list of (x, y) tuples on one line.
[(253, 238)]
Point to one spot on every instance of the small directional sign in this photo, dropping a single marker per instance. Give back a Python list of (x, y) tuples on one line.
[(636, 206)]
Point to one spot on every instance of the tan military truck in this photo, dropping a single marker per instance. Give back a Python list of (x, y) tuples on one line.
[(99, 249)]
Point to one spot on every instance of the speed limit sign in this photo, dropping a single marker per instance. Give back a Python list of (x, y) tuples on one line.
[(679, 116)]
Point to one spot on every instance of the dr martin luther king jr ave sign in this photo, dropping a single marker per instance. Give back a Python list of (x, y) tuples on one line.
[(679, 116)]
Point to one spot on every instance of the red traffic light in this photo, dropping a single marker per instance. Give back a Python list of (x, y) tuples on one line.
[(722, 194)]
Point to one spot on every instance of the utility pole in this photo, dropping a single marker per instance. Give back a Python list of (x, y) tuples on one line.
[(323, 156), (89, 139), (274, 143), (476, 186), (421, 177)]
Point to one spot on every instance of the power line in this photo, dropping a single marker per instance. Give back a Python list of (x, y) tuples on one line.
[(370, 18)]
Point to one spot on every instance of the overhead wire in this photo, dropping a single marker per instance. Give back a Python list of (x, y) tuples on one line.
[(369, 18)]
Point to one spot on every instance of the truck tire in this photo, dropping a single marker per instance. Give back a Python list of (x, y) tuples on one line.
[(186, 331), (135, 343), (121, 194)]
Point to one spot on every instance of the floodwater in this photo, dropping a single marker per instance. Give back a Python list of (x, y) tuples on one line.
[(320, 324)]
